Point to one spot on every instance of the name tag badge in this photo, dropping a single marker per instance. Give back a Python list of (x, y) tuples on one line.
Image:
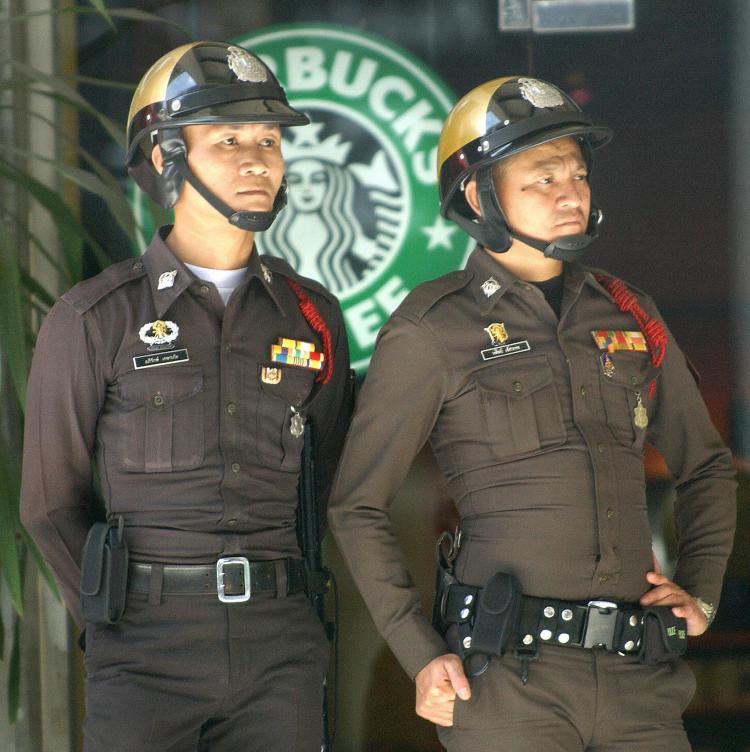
[(512, 348), (160, 358)]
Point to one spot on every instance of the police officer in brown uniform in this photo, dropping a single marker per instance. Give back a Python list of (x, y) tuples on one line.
[(187, 377), (536, 382)]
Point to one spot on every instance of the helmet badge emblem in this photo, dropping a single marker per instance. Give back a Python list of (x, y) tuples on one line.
[(245, 66), (539, 94)]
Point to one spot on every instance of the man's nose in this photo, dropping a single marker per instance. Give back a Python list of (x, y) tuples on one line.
[(571, 193), (253, 162)]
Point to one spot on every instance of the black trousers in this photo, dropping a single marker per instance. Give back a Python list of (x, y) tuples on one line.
[(574, 700), (192, 674)]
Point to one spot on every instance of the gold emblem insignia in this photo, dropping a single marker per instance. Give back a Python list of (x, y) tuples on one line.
[(270, 375), (159, 334), (498, 333)]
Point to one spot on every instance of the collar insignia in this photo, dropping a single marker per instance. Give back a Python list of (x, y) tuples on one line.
[(267, 275), (167, 279), (490, 287)]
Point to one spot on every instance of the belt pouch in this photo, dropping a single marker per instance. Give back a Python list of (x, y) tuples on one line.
[(664, 635), (497, 614), (104, 573)]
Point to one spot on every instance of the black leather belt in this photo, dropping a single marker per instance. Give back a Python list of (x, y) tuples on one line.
[(617, 627), (233, 579)]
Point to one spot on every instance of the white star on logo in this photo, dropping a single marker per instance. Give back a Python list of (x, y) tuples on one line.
[(439, 234)]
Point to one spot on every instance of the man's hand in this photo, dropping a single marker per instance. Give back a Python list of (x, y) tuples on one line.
[(438, 683), (666, 593)]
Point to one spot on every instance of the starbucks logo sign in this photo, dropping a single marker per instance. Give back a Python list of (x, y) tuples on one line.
[(362, 214)]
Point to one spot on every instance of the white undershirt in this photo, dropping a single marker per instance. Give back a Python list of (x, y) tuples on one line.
[(225, 279)]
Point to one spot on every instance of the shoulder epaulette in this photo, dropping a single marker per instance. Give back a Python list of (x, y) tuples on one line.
[(279, 266), (88, 293), (424, 297)]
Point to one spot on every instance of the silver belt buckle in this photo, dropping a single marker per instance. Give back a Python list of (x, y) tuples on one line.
[(600, 625), (220, 566)]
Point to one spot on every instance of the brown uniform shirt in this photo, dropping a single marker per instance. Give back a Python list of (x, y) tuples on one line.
[(197, 454), (539, 448)]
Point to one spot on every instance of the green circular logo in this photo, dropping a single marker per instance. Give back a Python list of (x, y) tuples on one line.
[(363, 215)]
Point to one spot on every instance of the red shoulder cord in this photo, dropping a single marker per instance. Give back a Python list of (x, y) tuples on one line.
[(653, 329), (317, 324)]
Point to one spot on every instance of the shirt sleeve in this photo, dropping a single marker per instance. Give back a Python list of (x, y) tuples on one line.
[(65, 394), (397, 409), (705, 506)]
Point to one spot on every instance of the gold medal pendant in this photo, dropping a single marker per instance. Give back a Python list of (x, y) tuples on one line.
[(640, 416)]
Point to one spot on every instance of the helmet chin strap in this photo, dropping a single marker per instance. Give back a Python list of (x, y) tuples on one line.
[(174, 151), (564, 248), (497, 235)]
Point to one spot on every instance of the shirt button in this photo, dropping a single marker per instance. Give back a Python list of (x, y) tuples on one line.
[(517, 386), (235, 467), (634, 380), (604, 578), (227, 347), (610, 514), (600, 448), (583, 391), (204, 289), (158, 400), (231, 408), (138, 265)]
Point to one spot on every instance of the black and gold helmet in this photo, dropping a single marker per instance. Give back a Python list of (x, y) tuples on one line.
[(496, 120), (196, 84)]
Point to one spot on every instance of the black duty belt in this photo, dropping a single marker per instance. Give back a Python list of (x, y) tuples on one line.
[(617, 627), (233, 579)]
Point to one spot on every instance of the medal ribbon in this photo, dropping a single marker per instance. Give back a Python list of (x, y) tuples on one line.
[(653, 329), (317, 324)]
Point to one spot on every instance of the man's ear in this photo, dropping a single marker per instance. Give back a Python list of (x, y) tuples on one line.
[(157, 159), (470, 194)]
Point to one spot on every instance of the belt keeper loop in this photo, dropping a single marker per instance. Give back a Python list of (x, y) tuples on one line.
[(282, 578), (156, 584)]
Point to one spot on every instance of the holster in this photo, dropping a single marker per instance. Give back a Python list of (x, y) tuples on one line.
[(104, 573), (497, 614), (664, 635)]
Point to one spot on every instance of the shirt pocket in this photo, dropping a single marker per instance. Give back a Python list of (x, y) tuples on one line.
[(625, 396), (277, 445), (521, 407), (161, 424)]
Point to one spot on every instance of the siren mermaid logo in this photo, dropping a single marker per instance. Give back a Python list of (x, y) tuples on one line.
[(344, 219), (362, 215)]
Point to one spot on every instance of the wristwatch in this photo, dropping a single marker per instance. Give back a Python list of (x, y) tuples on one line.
[(709, 610)]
